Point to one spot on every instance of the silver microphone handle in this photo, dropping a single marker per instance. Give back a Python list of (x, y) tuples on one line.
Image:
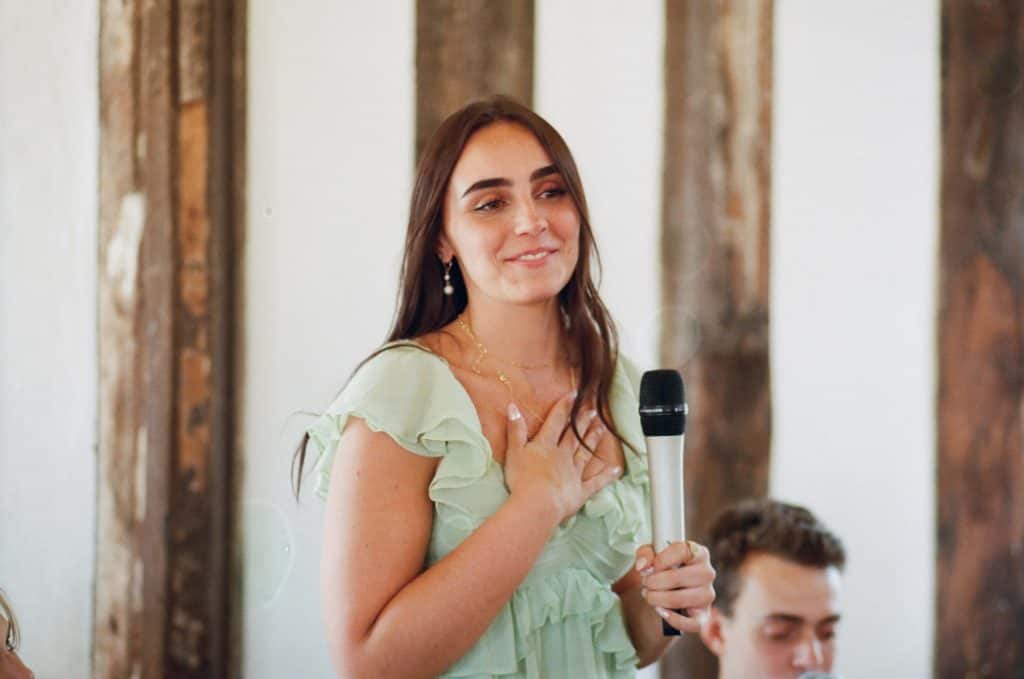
[(665, 461)]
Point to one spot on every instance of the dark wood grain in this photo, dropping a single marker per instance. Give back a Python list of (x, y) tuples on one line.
[(980, 409), (715, 258), (467, 50), (168, 201)]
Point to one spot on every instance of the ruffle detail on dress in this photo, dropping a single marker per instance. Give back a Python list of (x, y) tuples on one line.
[(571, 601), (623, 510), (409, 394), (433, 441)]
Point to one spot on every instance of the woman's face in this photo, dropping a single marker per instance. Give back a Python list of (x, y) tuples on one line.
[(509, 219)]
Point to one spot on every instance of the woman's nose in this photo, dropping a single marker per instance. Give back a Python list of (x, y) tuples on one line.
[(530, 220)]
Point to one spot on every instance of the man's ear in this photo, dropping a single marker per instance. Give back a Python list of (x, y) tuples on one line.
[(711, 632)]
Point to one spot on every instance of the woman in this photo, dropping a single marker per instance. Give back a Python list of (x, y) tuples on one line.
[(486, 495)]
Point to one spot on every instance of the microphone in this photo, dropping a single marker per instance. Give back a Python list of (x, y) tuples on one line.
[(663, 418)]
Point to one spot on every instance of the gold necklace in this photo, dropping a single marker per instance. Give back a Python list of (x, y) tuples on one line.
[(483, 350), (482, 353)]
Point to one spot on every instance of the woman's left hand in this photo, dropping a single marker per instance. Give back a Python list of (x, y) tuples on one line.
[(678, 579)]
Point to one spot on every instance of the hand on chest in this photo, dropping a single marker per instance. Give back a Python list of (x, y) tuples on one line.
[(491, 401)]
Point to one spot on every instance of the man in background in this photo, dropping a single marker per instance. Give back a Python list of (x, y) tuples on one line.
[(778, 582)]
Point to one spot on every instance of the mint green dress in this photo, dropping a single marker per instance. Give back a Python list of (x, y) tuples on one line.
[(563, 620)]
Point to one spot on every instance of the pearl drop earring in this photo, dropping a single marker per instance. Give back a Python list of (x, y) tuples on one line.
[(448, 289)]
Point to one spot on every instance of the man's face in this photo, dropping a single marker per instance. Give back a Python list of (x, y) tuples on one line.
[(783, 621)]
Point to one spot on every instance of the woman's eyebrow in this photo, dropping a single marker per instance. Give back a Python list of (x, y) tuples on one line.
[(543, 172), (486, 184), (501, 181)]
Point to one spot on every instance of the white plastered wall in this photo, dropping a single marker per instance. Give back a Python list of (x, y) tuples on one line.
[(48, 221), (854, 239)]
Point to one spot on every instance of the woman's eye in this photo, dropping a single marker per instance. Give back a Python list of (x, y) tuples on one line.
[(552, 193), (488, 206)]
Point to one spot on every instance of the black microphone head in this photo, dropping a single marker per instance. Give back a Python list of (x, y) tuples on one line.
[(662, 403)]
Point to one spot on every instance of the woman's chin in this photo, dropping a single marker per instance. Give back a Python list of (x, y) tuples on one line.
[(525, 290), (535, 294)]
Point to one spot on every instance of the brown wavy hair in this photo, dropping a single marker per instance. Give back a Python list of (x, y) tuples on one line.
[(422, 308), (769, 527)]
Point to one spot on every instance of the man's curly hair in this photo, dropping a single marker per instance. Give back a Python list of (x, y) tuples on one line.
[(771, 527)]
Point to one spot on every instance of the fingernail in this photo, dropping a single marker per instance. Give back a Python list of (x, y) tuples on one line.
[(641, 562), (661, 611), (647, 571), (513, 412), (592, 414), (643, 592), (616, 470), (572, 394)]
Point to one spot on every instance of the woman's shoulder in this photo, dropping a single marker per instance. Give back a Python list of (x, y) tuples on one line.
[(401, 377), (399, 360)]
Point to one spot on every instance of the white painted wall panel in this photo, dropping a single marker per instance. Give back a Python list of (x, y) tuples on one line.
[(48, 221), (855, 224)]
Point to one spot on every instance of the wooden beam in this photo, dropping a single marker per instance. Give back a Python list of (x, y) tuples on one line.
[(715, 257), (467, 50), (169, 100), (229, 164), (980, 557)]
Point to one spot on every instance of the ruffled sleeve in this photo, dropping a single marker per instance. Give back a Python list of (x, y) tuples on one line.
[(404, 391)]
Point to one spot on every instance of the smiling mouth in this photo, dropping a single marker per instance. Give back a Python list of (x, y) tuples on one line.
[(532, 256)]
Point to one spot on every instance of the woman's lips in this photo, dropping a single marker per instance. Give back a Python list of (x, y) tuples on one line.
[(533, 258)]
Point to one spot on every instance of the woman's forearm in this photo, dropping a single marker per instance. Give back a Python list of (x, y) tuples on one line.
[(438, 616), (644, 626)]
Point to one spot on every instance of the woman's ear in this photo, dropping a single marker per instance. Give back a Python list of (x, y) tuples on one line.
[(444, 250)]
